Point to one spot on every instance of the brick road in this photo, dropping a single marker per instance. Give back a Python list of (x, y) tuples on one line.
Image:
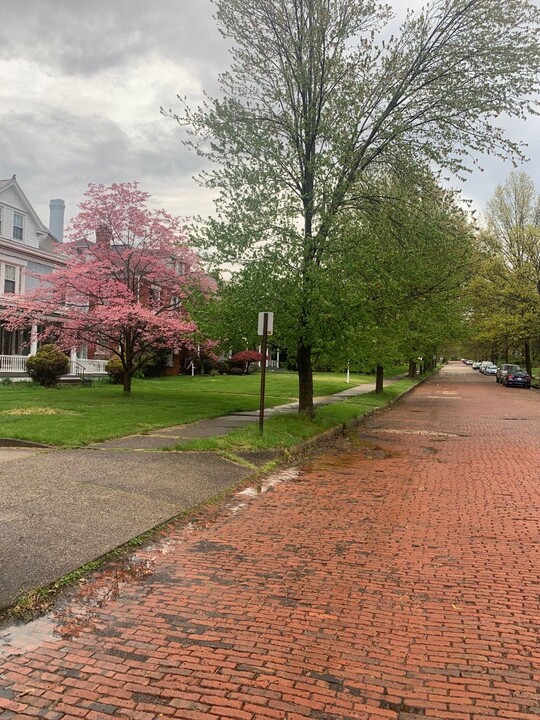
[(395, 577)]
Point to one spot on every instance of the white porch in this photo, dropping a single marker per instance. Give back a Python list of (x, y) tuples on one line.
[(16, 365)]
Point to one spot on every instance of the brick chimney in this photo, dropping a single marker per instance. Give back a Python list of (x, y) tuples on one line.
[(103, 235), (56, 218)]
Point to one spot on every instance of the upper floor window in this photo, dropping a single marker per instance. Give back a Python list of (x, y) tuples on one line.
[(18, 224), (11, 279)]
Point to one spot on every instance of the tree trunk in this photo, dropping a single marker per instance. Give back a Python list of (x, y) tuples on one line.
[(128, 374), (127, 382), (528, 363), (412, 369), (379, 382), (305, 380)]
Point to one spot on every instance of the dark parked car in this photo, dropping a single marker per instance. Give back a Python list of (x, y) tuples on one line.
[(504, 368), (517, 378)]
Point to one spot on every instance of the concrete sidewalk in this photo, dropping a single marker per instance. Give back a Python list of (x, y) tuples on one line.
[(60, 509)]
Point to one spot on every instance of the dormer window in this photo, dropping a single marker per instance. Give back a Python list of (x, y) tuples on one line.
[(18, 226)]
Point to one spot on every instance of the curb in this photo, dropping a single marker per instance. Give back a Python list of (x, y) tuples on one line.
[(300, 449), (14, 443)]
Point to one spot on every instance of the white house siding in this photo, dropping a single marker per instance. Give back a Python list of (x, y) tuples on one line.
[(11, 203)]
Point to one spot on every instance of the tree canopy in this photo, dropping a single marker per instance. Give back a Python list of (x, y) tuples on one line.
[(127, 271), (317, 103)]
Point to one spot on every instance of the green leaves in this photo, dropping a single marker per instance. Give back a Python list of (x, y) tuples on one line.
[(316, 109)]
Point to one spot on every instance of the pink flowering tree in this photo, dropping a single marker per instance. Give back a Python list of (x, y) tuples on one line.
[(128, 270)]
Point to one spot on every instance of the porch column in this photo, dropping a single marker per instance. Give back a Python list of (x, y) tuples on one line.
[(277, 359), (33, 340), (72, 360)]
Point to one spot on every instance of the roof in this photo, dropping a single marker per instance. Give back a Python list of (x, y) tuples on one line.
[(5, 184)]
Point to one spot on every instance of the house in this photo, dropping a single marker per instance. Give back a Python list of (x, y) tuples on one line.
[(28, 250)]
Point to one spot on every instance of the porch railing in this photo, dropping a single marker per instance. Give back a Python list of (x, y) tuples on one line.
[(17, 364), (91, 366), (13, 363)]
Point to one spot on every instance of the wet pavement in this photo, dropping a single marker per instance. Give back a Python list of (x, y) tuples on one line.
[(60, 509), (394, 577)]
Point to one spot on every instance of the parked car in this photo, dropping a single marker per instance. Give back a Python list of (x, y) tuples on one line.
[(490, 370), (504, 368), (517, 378), (484, 364), (468, 362), (476, 365)]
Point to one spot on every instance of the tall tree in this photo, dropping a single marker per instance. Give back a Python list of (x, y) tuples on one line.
[(405, 264), (128, 270), (512, 244), (315, 100)]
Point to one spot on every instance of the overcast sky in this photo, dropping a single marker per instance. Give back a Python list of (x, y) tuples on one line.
[(82, 85)]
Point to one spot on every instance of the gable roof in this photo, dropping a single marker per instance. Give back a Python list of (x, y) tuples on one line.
[(12, 182)]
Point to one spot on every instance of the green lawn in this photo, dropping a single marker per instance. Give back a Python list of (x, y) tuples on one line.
[(285, 431), (74, 416)]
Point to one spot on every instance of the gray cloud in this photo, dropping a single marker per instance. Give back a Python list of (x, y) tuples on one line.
[(59, 136), (55, 154), (78, 38)]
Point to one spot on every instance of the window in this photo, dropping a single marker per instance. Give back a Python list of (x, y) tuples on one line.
[(17, 226), (10, 279)]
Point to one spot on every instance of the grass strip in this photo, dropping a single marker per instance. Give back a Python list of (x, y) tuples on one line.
[(70, 416), (285, 431)]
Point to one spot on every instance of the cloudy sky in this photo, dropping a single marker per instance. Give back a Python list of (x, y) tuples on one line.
[(81, 90)]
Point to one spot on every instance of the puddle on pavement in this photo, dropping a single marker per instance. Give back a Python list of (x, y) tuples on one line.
[(18, 639), (79, 609), (426, 433), (266, 484), (347, 457)]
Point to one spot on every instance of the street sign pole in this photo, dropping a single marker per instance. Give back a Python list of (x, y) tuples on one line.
[(263, 371)]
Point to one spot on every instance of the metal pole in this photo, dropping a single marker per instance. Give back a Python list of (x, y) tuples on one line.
[(348, 373), (263, 373)]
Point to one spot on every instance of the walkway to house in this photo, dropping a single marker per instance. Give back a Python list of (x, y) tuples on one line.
[(60, 509), (394, 580)]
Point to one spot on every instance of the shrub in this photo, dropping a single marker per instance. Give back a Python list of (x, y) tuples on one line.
[(47, 365), (245, 358), (223, 367), (115, 371), (154, 364), (236, 371), (209, 365), (6, 381)]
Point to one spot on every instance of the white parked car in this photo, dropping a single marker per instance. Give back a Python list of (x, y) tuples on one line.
[(476, 365), (490, 370)]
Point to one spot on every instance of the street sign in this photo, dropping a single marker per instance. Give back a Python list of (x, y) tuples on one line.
[(270, 323)]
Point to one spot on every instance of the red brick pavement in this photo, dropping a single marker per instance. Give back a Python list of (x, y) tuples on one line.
[(399, 581)]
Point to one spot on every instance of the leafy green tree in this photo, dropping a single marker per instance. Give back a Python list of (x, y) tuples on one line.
[(508, 284), (315, 101), (406, 264)]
